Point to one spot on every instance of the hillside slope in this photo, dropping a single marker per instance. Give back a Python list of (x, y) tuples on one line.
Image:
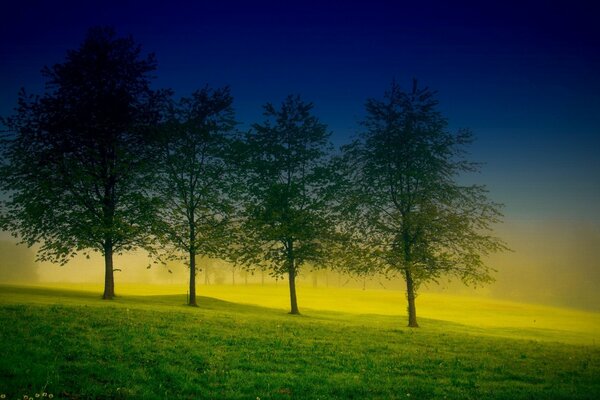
[(74, 345)]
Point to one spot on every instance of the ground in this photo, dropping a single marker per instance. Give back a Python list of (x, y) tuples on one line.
[(240, 343)]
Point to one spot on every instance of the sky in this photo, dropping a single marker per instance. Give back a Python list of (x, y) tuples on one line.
[(523, 76)]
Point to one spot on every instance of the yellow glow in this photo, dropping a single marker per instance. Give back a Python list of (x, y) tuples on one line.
[(553, 263), (480, 315)]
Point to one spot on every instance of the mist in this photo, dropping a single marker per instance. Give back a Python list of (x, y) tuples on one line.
[(17, 263), (552, 262)]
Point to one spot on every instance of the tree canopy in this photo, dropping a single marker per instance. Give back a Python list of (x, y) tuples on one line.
[(285, 206), (196, 180), (74, 161), (405, 203), (102, 162)]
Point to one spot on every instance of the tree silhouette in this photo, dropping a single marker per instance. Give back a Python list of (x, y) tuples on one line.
[(285, 206), (75, 162), (196, 180), (405, 208)]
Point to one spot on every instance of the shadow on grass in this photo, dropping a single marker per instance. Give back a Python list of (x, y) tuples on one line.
[(23, 290), (47, 296), (17, 294)]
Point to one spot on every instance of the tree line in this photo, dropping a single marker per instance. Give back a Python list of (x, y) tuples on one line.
[(101, 162)]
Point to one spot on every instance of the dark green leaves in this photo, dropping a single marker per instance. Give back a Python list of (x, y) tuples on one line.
[(197, 179), (403, 196), (286, 221), (75, 161)]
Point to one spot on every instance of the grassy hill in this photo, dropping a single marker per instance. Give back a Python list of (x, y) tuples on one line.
[(241, 344)]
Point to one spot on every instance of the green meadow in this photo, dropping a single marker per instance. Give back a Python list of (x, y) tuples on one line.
[(240, 343)]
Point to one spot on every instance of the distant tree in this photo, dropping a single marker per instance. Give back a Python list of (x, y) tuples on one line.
[(285, 207), (197, 180), (75, 164), (406, 211)]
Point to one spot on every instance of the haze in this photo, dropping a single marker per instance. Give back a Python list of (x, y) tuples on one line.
[(544, 268), (524, 79)]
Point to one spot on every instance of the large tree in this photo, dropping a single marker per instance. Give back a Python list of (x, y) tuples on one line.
[(75, 165), (286, 210), (407, 200), (196, 182)]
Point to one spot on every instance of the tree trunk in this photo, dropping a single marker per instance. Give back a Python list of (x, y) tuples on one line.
[(192, 248), (192, 300), (292, 279), (410, 296), (109, 279), (293, 299)]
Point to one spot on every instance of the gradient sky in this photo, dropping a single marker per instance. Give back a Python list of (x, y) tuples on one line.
[(524, 76)]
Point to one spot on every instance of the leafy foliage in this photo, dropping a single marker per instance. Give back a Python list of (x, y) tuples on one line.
[(74, 161), (196, 182), (404, 202), (286, 222)]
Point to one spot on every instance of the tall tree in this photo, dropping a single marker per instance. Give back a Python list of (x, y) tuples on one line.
[(410, 212), (286, 209), (75, 163), (196, 183)]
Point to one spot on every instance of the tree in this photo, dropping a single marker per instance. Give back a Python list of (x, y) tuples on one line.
[(286, 209), (197, 181), (409, 211), (75, 163)]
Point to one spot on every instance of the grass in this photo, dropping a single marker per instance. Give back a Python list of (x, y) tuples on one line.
[(241, 344)]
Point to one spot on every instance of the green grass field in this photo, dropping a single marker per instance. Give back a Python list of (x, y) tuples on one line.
[(241, 344)]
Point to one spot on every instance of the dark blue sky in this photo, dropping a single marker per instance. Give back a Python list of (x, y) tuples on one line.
[(524, 76)]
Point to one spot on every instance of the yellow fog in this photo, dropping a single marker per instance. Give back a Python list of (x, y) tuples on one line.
[(553, 263), (467, 314)]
